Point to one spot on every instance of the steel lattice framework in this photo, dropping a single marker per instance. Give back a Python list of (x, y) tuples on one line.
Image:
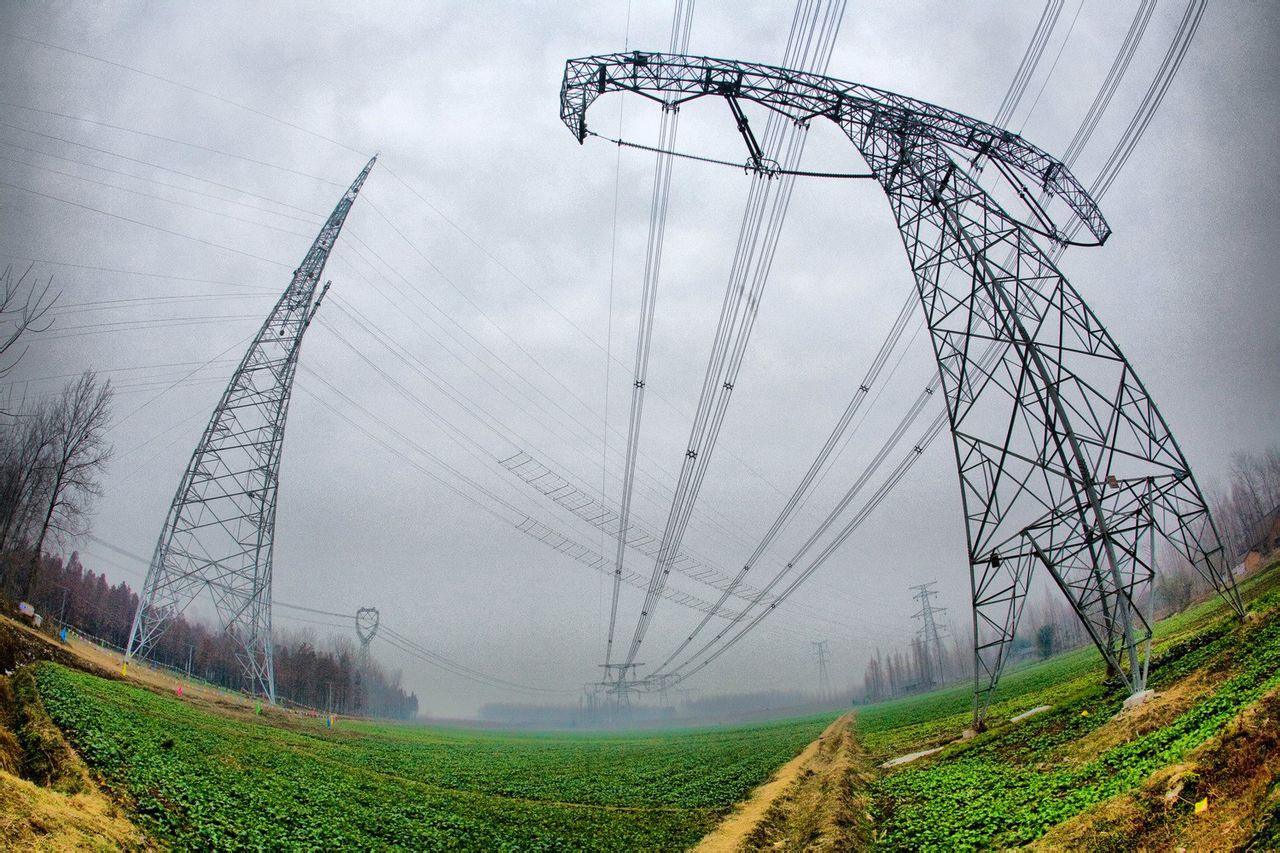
[(1064, 460), (220, 529)]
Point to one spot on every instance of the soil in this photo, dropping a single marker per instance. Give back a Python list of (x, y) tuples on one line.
[(21, 645), (813, 802)]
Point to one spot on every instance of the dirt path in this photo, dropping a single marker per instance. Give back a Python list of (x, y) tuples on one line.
[(734, 831)]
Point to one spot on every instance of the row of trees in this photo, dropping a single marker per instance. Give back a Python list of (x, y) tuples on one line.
[(330, 678), (1254, 494), (921, 666), (52, 450)]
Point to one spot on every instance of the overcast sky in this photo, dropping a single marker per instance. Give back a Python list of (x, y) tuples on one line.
[(482, 249)]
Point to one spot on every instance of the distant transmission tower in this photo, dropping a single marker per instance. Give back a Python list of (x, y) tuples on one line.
[(622, 684), (220, 529), (930, 633), (366, 629), (824, 677)]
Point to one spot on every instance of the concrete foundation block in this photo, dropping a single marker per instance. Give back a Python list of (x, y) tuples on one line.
[(1139, 698)]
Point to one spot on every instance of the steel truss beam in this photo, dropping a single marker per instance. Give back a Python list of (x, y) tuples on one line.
[(220, 529), (1064, 460)]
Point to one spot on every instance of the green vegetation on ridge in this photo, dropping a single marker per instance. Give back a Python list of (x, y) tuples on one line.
[(1007, 787)]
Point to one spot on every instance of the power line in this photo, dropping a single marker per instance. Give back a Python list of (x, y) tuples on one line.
[(401, 642), (187, 87), (1030, 60), (153, 227), (809, 47), (139, 273), (185, 204), (310, 219), (566, 494), (521, 521), (1145, 111), (173, 141), (1119, 66), (681, 25), (1049, 76), (171, 170)]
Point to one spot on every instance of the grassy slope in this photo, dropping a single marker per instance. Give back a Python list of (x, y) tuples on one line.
[(210, 780), (1010, 785)]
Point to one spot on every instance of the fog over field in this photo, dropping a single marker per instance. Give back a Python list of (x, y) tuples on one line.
[(506, 261)]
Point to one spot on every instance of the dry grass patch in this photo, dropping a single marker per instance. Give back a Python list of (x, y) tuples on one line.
[(1236, 772), (35, 818)]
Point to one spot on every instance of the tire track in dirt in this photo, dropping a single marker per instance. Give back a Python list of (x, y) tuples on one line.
[(782, 799)]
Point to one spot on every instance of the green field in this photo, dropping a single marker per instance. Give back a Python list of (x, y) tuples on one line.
[(202, 780), (196, 778)]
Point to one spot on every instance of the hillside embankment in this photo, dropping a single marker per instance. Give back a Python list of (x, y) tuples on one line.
[(1194, 767), (1234, 775), (48, 799)]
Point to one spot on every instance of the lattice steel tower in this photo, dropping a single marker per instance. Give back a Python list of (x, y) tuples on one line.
[(1065, 462), (367, 619), (823, 655), (930, 633), (219, 532)]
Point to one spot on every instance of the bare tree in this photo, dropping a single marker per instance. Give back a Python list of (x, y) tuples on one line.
[(1248, 487), (24, 302), (76, 458), (26, 439), (1269, 464), (1241, 511)]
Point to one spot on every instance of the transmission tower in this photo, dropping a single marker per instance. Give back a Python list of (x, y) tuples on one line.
[(1065, 462), (219, 532), (620, 682), (930, 633), (823, 654), (366, 629)]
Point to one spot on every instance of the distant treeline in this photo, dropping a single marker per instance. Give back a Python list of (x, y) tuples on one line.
[(593, 711), (325, 679)]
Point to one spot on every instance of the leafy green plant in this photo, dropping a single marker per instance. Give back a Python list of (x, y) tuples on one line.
[(199, 780)]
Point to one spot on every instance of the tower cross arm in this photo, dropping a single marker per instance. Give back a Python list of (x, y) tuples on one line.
[(802, 96)]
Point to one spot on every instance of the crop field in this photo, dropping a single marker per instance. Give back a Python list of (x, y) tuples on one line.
[(197, 777), (201, 780)]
